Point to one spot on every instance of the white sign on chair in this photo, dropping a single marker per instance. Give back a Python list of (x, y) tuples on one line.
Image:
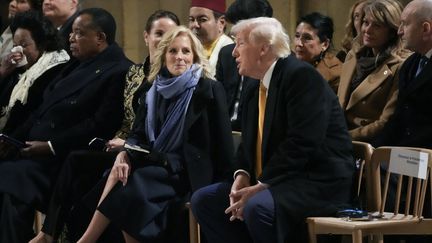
[(408, 162)]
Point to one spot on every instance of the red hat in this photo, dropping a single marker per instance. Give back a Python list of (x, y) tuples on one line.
[(215, 5)]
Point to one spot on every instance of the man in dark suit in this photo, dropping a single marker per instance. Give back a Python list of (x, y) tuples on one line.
[(295, 151), (410, 124), (84, 102), (226, 68)]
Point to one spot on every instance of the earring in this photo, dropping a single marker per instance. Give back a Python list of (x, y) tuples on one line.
[(321, 56)]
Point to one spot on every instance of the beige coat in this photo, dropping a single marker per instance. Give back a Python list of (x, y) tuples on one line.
[(371, 104), (330, 68)]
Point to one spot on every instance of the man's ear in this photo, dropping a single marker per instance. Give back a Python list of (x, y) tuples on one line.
[(101, 37), (74, 3), (265, 48), (222, 23), (426, 27)]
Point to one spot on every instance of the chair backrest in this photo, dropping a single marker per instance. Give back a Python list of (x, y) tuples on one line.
[(362, 153), (381, 162)]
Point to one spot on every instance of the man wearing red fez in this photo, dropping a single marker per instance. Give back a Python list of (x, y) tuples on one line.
[(207, 21)]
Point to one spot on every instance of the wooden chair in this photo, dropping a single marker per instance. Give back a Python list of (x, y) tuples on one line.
[(194, 229), (362, 153), (382, 223), (38, 221)]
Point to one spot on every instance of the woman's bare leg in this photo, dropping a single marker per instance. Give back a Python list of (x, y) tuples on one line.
[(99, 222), (128, 238), (42, 238)]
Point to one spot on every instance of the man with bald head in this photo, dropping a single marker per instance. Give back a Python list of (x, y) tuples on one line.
[(411, 122), (61, 13)]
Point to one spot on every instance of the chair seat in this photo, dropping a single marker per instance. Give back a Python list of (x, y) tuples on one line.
[(329, 225)]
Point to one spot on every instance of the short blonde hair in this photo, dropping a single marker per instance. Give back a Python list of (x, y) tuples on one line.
[(267, 30), (197, 49), (387, 13)]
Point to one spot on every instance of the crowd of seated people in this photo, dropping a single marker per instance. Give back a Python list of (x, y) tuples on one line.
[(161, 129), (83, 169), (370, 74)]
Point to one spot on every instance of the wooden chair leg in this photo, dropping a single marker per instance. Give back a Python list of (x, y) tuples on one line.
[(194, 230), (38, 222), (357, 236), (312, 235)]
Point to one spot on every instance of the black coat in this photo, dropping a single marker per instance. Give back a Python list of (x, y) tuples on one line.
[(205, 157), (306, 148), (227, 74), (85, 101), (207, 143), (410, 124), (20, 112)]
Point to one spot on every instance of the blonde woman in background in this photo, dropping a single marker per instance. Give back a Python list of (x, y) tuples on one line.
[(352, 28), (369, 79)]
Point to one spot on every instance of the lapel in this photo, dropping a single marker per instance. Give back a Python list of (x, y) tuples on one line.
[(203, 92), (423, 77), (271, 104), (372, 82), (329, 67), (345, 78), (250, 120), (77, 79)]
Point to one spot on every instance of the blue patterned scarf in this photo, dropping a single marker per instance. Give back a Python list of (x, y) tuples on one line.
[(179, 90)]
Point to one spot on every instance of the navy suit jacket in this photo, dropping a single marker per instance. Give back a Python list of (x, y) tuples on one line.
[(306, 148), (410, 124)]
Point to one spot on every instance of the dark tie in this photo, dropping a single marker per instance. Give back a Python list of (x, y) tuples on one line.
[(423, 61)]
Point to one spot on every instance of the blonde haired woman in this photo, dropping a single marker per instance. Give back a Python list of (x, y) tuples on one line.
[(369, 79), (185, 126), (352, 28)]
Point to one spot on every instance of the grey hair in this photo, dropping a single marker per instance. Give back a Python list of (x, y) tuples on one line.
[(267, 30)]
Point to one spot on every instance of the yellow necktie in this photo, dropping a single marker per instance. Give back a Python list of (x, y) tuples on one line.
[(261, 111)]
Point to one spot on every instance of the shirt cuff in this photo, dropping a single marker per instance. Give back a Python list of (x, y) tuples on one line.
[(240, 171), (264, 184), (51, 148)]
